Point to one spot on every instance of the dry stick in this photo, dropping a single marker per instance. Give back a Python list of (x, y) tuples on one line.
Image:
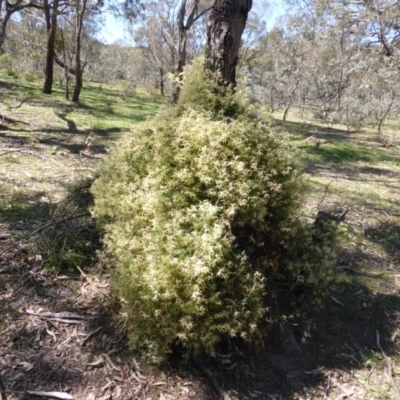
[(328, 387), (389, 364), (12, 120), (326, 191), (20, 151), (60, 221), (22, 102)]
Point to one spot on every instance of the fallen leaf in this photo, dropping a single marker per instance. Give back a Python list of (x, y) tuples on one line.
[(97, 362), (117, 392), (56, 395), (111, 364), (52, 334), (26, 366)]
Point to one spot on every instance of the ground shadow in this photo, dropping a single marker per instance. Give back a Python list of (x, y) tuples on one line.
[(341, 335), (386, 235)]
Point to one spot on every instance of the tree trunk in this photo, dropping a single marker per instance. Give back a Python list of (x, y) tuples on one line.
[(161, 81), (225, 28), (80, 12), (183, 28), (51, 39), (3, 24), (180, 64)]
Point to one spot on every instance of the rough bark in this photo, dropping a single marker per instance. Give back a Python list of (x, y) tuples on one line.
[(80, 12), (51, 23), (225, 28), (63, 63)]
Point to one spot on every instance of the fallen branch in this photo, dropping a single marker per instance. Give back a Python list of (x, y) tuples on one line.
[(63, 317), (12, 120), (22, 102), (20, 151), (326, 191)]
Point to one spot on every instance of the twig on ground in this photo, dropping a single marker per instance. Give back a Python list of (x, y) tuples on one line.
[(55, 395), (328, 387), (325, 192), (388, 363), (22, 102), (92, 283), (20, 151), (12, 120)]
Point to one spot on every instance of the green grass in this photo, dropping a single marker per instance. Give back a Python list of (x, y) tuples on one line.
[(348, 153), (102, 107), (37, 160)]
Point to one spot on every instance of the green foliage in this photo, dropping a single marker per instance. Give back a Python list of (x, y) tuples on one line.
[(196, 207), (28, 76), (5, 61), (307, 257), (203, 93), (10, 72)]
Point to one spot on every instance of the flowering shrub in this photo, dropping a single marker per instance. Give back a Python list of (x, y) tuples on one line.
[(186, 200)]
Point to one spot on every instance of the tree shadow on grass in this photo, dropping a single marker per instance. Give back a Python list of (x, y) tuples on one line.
[(387, 236), (342, 154), (302, 130), (20, 207)]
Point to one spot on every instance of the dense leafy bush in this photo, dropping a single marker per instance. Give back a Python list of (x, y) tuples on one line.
[(196, 208)]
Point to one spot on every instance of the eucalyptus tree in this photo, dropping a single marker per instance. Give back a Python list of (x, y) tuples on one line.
[(168, 33), (149, 38), (352, 66), (8, 8), (189, 12), (25, 41), (81, 7), (51, 13)]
